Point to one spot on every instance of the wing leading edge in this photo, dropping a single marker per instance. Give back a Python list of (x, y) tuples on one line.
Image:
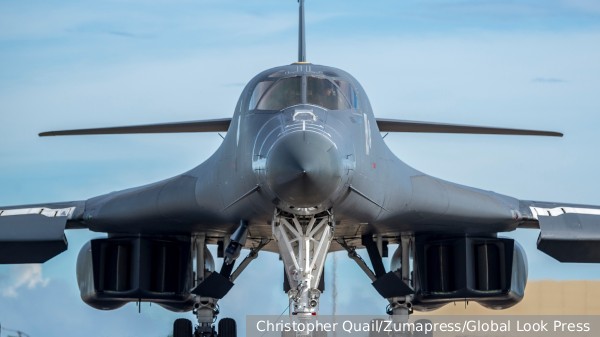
[(210, 125), (222, 125), (394, 125)]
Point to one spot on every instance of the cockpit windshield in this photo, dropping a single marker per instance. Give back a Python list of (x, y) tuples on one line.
[(283, 93), (325, 93), (278, 94)]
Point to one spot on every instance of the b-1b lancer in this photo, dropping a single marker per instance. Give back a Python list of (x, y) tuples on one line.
[(302, 171)]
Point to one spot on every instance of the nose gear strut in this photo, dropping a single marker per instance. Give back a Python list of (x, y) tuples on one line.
[(303, 244)]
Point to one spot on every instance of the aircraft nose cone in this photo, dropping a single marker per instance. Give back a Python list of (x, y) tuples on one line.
[(304, 169)]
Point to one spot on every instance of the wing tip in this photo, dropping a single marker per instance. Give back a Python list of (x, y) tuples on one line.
[(552, 134)]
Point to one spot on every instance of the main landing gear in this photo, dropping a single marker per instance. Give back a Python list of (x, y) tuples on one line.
[(210, 286), (183, 328), (397, 285)]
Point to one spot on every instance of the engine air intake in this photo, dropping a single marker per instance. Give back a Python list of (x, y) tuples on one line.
[(488, 270), (114, 271)]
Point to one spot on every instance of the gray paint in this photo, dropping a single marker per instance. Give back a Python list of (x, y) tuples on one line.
[(303, 159), (303, 140), (336, 146)]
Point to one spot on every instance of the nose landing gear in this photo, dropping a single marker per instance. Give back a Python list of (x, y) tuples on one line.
[(303, 244)]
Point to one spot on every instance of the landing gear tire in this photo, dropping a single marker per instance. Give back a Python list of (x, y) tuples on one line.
[(227, 328), (182, 328)]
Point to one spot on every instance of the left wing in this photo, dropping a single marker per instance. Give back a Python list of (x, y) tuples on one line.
[(568, 232), (35, 233)]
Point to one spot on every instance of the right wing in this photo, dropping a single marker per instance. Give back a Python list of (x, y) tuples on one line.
[(568, 232), (35, 233)]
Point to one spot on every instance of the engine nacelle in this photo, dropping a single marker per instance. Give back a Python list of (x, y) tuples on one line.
[(112, 272), (488, 270)]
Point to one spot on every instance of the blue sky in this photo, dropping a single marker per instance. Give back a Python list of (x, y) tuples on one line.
[(71, 64)]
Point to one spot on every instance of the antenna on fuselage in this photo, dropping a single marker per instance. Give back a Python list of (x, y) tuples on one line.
[(301, 35)]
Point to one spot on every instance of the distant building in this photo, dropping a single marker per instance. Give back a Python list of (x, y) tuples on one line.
[(541, 298)]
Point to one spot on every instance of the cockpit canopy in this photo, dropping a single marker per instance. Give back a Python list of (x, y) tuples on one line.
[(274, 94)]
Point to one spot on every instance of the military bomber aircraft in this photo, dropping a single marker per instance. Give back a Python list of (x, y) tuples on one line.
[(302, 171)]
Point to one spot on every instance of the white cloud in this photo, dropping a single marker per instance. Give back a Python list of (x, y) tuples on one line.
[(23, 276)]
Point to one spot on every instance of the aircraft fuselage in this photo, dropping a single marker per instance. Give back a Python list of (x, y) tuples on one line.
[(303, 139)]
